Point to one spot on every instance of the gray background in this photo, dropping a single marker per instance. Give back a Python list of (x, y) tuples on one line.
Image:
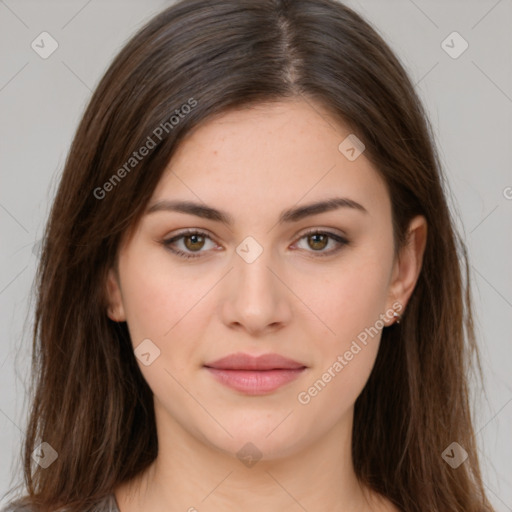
[(469, 100)]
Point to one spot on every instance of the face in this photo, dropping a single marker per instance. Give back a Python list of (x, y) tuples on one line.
[(315, 287)]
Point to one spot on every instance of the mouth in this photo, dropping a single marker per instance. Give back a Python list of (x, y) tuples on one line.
[(255, 375)]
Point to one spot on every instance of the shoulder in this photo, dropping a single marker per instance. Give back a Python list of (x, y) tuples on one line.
[(107, 504)]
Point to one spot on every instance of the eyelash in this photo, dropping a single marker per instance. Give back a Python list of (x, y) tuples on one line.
[(337, 238)]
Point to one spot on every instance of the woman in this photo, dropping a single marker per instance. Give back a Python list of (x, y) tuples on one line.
[(250, 294)]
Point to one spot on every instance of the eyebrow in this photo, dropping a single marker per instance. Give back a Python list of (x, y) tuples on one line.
[(287, 216)]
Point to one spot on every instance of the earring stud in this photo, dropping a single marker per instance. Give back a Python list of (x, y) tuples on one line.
[(398, 317)]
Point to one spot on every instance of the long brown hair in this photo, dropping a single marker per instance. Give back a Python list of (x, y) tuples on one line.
[(91, 403)]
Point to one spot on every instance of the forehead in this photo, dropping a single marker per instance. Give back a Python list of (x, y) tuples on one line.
[(280, 153)]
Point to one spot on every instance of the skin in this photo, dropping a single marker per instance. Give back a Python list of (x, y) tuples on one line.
[(254, 163)]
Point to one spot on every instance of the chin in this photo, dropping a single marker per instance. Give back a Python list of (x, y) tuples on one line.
[(262, 442)]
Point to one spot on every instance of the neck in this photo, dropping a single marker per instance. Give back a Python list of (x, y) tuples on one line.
[(192, 475)]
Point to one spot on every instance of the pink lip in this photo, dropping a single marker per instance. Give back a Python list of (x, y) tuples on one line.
[(241, 361), (255, 375), (255, 382)]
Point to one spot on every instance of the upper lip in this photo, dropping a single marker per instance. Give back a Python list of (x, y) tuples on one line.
[(240, 361)]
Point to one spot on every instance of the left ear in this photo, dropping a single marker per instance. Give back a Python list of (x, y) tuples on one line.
[(115, 310), (407, 266)]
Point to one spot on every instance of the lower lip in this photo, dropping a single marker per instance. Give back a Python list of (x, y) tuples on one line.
[(254, 382)]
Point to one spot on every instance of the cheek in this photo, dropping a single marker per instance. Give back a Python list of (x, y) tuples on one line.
[(351, 307), (334, 388), (168, 306), (351, 302), (149, 306), (351, 297), (156, 295), (159, 307)]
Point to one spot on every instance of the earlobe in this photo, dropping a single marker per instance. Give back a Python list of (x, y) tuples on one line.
[(115, 310), (407, 268)]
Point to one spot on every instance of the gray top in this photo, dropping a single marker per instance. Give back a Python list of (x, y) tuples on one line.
[(107, 504)]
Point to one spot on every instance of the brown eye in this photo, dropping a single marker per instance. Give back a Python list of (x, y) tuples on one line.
[(191, 242), (194, 242), (318, 241)]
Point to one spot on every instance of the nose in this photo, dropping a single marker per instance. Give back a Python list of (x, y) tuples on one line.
[(256, 298)]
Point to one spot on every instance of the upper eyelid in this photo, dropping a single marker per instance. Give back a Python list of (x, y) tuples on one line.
[(189, 232)]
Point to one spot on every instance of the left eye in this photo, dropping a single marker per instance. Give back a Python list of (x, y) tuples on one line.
[(194, 241), (318, 240)]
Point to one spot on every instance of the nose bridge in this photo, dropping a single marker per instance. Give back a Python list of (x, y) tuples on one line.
[(252, 270), (257, 297)]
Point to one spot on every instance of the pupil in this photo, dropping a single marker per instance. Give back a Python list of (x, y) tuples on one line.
[(322, 242)]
